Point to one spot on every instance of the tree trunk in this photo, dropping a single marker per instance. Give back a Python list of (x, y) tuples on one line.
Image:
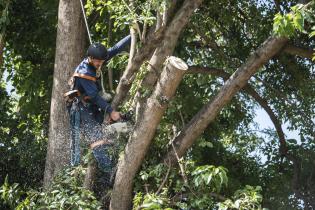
[(89, 178), (70, 47), (237, 81), (144, 131)]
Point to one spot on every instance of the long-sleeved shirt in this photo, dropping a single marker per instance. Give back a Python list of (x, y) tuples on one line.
[(89, 87)]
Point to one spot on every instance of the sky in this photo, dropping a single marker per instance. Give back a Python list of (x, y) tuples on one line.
[(263, 120)]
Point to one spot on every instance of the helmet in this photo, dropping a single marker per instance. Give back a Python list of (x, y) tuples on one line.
[(97, 51)]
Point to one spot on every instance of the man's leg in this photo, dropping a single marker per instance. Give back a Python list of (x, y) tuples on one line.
[(101, 154), (95, 136)]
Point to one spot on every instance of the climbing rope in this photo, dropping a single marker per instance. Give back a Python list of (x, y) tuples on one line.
[(86, 23), (99, 71)]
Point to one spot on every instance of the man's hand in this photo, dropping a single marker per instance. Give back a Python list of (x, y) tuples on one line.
[(115, 115)]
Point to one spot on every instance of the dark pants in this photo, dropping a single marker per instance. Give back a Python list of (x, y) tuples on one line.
[(94, 131)]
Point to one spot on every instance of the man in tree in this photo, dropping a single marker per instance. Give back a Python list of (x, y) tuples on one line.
[(91, 105)]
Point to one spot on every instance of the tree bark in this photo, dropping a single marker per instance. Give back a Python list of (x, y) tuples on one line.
[(90, 174), (168, 13), (144, 131), (299, 51), (238, 80), (70, 47)]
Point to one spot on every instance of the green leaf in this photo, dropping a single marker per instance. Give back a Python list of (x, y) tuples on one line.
[(298, 21), (209, 178), (312, 34)]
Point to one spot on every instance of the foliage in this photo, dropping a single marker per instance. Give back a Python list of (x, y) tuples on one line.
[(4, 20), (10, 195), (247, 198), (28, 63), (66, 192), (221, 34), (285, 25), (199, 191), (204, 175), (124, 14)]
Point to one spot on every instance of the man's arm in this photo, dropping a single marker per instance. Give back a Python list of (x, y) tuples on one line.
[(118, 47), (90, 89)]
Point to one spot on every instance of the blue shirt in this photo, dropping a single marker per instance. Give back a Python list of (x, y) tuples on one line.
[(89, 87)]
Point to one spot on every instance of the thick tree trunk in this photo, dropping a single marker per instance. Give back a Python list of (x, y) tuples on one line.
[(144, 131), (70, 47), (238, 80)]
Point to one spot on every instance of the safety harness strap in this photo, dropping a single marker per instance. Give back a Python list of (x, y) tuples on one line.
[(76, 74)]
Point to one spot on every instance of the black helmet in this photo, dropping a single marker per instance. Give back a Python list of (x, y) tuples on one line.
[(97, 51)]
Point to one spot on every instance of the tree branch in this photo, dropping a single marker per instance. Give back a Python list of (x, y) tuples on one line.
[(290, 49), (168, 13), (250, 91), (172, 33), (170, 40), (143, 54), (264, 104), (164, 181), (299, 51), (277, 5), (237, 81)]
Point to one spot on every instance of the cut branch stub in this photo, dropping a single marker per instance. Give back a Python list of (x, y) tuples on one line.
[(171, 76)]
